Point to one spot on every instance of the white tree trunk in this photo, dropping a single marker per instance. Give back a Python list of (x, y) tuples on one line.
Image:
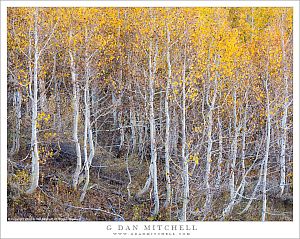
[(115, 113), (148, 182), (208, 160), (129, 175), (75, 121), (167, 136), (153, 167), (141, 135), (16, 138), (243, 182), (58, 120), (185, 173), (132, 117), (88, 162), (94, 113), (152, 70), (122, 133), (210, 142), (285, 112), (85, 142), (258, 184), (88, 135), (133, 129), (239, 189), (34, 141), (42, 98), (220, 158), (233, 149), (268, 139), (174, 131)]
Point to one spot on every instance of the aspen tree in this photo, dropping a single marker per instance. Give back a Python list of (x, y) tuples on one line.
[(185, 173), (35, 167), (285, 107), (167, 136)]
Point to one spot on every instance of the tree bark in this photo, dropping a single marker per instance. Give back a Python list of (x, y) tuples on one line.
[(34, 132), (167, 136), (268, 139), (58, 120), (152, 70), (244, 147), (220, 158), (16, 137), (285, 111), (233, 148), (185, 173), (75, 121)]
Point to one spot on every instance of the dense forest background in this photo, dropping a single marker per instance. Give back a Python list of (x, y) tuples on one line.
[(150, 114)]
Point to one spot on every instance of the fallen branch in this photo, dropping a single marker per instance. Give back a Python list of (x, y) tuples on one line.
[(95, 209)]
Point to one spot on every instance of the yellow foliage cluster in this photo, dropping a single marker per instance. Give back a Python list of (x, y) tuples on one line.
[(22, 177), (194, 158), (42, 116)]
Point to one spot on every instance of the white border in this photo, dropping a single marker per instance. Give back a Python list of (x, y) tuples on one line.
[(98, 229)]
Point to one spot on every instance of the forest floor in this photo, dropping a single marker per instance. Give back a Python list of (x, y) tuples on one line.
[(108, 196)]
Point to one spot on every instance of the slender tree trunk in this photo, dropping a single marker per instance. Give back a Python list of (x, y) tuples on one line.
[(210, 141), (88, 134), (148, 182), (233, 149), (75, 121), (220, 158), (122, 133), (132, 117), (42, 98), (128, 173), (228, 163), (268, 139), (88, 138), (208, 160), (240, 190), (94, 112), (88, 162), (133, 129), (175, 135), (285, 112), (16, 138), (85, 141), (167, 136), (152, 70), (244, 148), (115, 113), (118, 115), (258, 184), (161, 109), (227, 210), (153, 167), (185, 173), (34, 141), (58, 121), (140, 133)]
